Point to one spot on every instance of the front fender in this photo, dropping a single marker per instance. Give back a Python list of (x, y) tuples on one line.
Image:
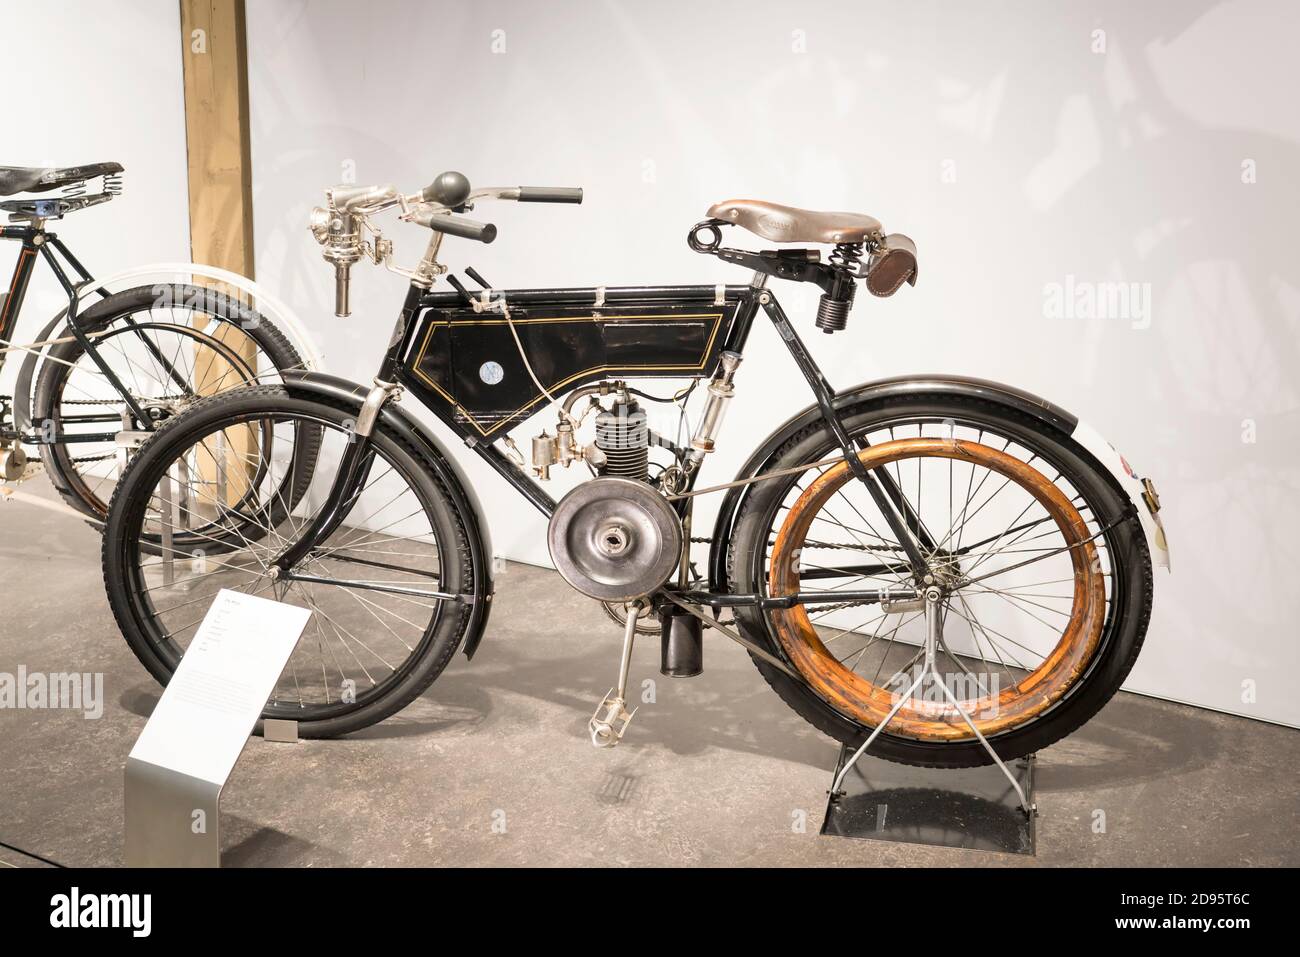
[(317, 385), (1012, 397)]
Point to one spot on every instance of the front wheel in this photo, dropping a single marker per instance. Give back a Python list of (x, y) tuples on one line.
[(1043, 569), (383, 588)]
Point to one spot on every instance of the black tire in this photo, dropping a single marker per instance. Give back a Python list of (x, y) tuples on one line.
[(131, 602), (107, 314), (1129, 606)]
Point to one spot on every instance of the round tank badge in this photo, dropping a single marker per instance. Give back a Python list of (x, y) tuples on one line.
[(491, 372)]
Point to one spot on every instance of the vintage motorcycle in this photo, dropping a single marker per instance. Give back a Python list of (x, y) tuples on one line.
[(935, 519)]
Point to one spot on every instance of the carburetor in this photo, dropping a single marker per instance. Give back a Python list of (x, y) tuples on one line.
[(562, 448)]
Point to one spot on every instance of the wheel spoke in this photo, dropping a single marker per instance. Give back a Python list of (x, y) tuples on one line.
[(373, 585), (1007, 509)]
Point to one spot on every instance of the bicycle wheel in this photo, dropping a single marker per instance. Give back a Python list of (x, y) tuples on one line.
[(169, 346), (1045, 575), (381, 628)]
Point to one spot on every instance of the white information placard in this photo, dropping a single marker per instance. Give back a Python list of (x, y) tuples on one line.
[(214, 699)]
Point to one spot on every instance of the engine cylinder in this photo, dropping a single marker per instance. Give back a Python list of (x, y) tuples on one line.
[(623, 435)]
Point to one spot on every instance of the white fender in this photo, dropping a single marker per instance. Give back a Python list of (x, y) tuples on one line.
[(267, 304), (1128, 479)]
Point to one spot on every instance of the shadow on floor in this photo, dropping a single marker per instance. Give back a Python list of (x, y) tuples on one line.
[(247, 844), (731, 707)]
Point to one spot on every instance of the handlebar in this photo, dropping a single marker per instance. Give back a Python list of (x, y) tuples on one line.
[(550, 194), (441, 222), (340, 227)]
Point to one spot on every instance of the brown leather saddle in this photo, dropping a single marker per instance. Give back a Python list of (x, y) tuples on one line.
[(786, 224), (893, 256)]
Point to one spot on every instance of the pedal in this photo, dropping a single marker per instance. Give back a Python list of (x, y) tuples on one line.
[(610, 721), (17, 467)]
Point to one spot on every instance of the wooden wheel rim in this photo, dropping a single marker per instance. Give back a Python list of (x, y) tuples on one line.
[(860, 699)]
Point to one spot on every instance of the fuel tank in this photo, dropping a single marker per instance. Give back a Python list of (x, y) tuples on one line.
[(466, 363)]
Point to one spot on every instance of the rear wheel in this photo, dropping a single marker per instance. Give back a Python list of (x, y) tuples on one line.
[(1045, 577), (169, 346), (381, 587)]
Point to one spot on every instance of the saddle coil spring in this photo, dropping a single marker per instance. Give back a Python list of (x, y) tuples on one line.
[(833, 308), (110, 185)]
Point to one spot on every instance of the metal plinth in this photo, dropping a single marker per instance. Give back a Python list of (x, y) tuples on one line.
[(974, 808), (172, 819), (200, 726)]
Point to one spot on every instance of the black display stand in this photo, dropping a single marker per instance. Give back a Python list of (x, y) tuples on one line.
[(974, 808)]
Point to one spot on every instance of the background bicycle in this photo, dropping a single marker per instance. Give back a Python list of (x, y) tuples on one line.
[(104, 373)]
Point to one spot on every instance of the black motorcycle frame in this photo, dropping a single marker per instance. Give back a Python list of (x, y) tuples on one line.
[(399, 367)]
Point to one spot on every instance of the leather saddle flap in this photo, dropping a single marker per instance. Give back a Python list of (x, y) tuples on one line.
[(892, 266)]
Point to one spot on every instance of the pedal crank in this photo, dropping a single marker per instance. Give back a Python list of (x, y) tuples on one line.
[(611, 718), (610, 721)]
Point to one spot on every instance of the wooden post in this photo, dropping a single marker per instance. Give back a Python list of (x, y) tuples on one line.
[(214, 54), (216, 133)]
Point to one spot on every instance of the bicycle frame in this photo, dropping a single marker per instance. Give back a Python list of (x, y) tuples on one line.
[(37, 241)]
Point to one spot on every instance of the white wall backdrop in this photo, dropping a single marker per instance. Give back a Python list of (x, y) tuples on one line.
[(1024, 146), (88, 82)]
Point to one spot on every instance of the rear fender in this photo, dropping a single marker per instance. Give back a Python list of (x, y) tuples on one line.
[(1050, 414), (1141, 492), (273, 309)]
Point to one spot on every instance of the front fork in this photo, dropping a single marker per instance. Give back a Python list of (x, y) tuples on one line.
[(348, 481)]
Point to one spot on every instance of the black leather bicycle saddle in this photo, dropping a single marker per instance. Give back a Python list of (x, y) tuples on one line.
[(786, 224), (38, 179)]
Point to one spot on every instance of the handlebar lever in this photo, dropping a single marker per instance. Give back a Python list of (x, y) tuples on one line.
[(474, 274), (460, 288), (444, 222)]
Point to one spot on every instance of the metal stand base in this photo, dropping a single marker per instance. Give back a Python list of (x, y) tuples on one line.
[(973, 808), (933, 639)]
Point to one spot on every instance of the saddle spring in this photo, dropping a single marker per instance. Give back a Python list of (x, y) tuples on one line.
[(110, 185), (833, 309)]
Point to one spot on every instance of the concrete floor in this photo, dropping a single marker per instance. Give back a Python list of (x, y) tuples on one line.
[(717, 772)]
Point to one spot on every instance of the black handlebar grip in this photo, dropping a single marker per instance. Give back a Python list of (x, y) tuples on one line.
[(550, 194), (449, 189), (465, 228)]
